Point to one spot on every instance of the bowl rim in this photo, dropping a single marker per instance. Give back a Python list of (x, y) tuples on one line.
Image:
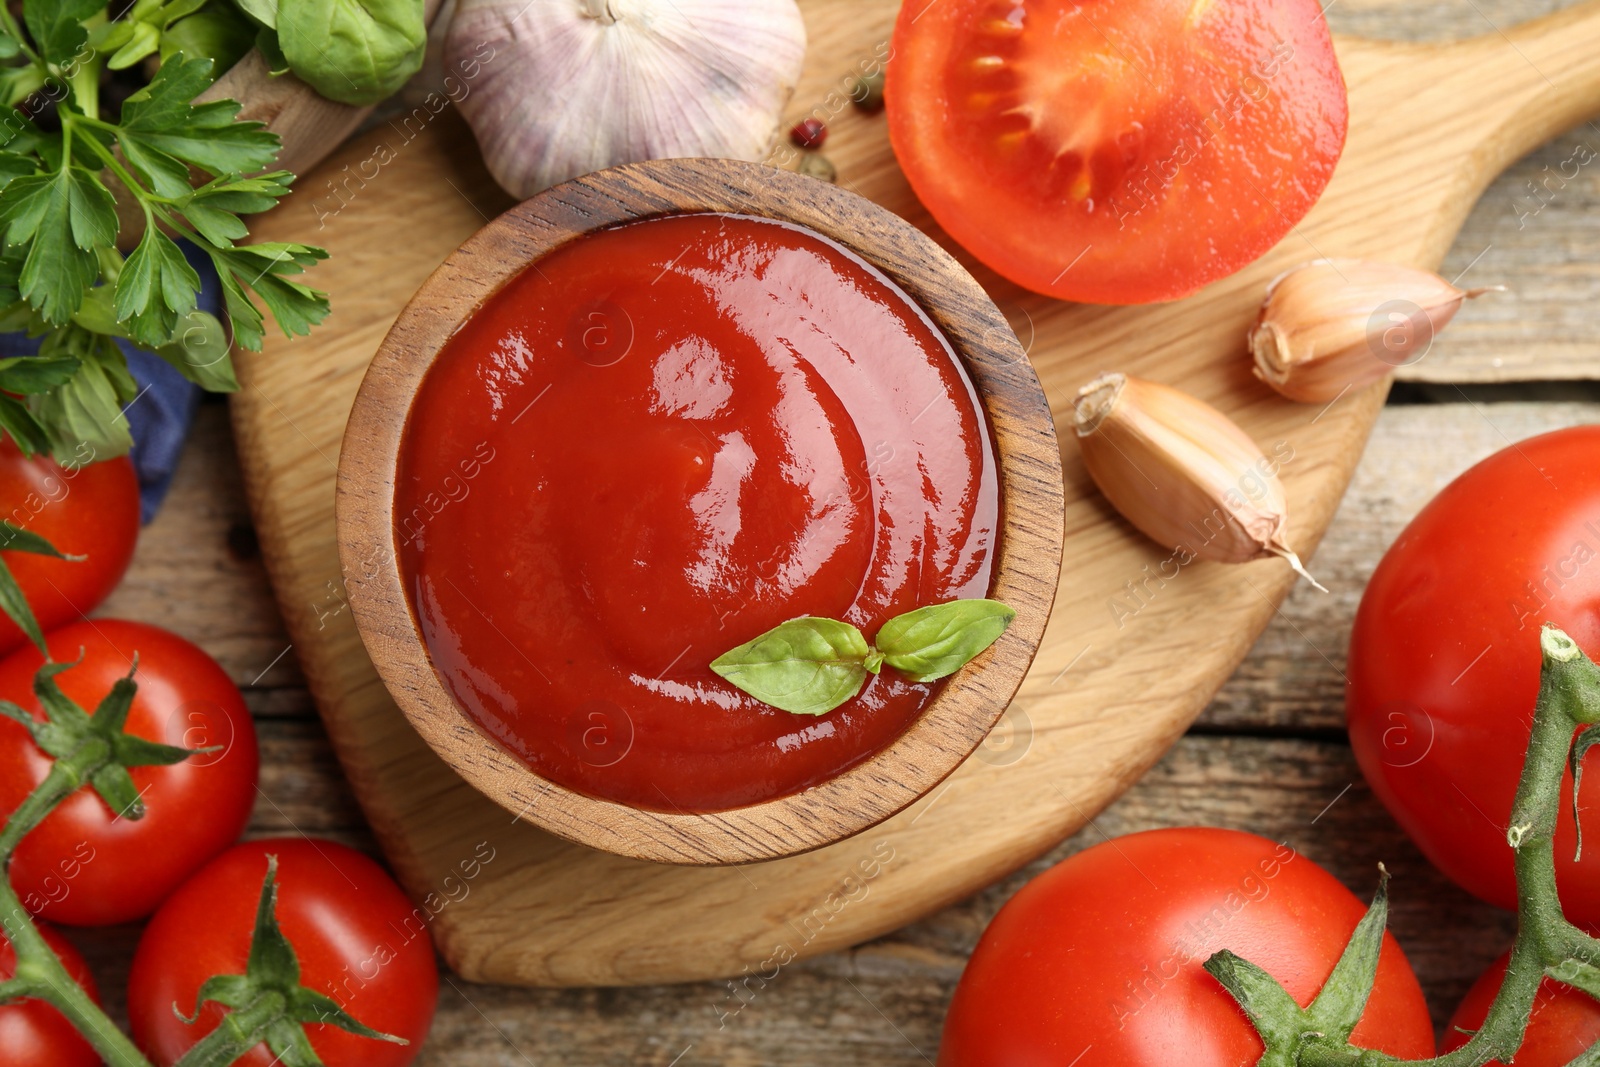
[(1027, 560)]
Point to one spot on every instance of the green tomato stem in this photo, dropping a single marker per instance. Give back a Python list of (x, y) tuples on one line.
[(40, 973), (1569, 697), (238, 1032)]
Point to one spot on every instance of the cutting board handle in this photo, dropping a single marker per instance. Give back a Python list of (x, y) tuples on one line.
[(1530, 82)]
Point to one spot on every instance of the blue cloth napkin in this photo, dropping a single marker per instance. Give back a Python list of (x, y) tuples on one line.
[(160, 416)]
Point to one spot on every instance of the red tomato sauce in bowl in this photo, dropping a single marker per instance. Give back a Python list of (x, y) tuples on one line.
[(659, 441)]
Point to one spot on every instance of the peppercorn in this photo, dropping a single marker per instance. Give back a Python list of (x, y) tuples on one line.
[(817, 166), (809, 133), (866, 92)]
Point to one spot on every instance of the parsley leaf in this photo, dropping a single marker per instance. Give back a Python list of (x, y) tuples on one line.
[(262, 268), (57, 26), (66, 216), (161, 118), (155, 289), (87, 410), (199, 352)]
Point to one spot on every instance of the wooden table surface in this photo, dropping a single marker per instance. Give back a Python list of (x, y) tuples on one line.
[(1268, 756)]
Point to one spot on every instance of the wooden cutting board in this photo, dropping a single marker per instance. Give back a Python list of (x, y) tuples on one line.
[(1127, 662)]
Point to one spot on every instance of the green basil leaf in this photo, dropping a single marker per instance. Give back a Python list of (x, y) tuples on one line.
[(353, 51), (807, 666), (929, 643)]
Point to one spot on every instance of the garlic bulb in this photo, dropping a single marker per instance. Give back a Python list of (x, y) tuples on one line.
[(1340, 324), (1183, 472), (565, 87)]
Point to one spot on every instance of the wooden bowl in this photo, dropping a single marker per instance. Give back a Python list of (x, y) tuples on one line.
[(1027, 562)]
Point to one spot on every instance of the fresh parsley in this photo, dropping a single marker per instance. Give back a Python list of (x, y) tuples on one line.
[(73, 182)]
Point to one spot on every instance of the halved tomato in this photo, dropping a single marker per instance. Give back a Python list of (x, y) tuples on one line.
[(1116, 152)]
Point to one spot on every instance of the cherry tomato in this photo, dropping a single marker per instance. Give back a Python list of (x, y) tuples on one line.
[(357, 937), (34, 1034), (1116, 153), (1098, 961), (84, 865), (1565, 1022), (1444, 658), (90, 511)]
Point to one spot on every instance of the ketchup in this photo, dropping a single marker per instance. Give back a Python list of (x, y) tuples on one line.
[(656, 443)]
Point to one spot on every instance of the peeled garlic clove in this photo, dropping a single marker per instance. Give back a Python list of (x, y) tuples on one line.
[(559, 88), (1339, 324), (1182, 472)]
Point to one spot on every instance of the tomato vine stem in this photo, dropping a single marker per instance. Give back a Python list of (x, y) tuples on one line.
[(39, 972), (1547, 944)]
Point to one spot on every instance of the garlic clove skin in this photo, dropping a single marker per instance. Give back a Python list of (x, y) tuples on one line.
[(1182, 472), (559, 88), (1334, 325)]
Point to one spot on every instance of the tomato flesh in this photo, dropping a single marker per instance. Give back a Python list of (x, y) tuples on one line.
[(1098, 961), (84, 865), (1116, 153), (1444, 658), (356, 936)]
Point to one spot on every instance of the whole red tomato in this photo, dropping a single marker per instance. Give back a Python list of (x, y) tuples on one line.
[(1098, 961), (1444, 657), (357, 937), (90, 510), (84, 865), (1565, 1022), (34, 1034)]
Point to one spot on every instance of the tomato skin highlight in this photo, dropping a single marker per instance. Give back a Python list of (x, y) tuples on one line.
[(1444, 658), (1116, 154), (84, 866), (1101, 957), (90, 511), (35, 1034), (1564, 1021), (357, 937)]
